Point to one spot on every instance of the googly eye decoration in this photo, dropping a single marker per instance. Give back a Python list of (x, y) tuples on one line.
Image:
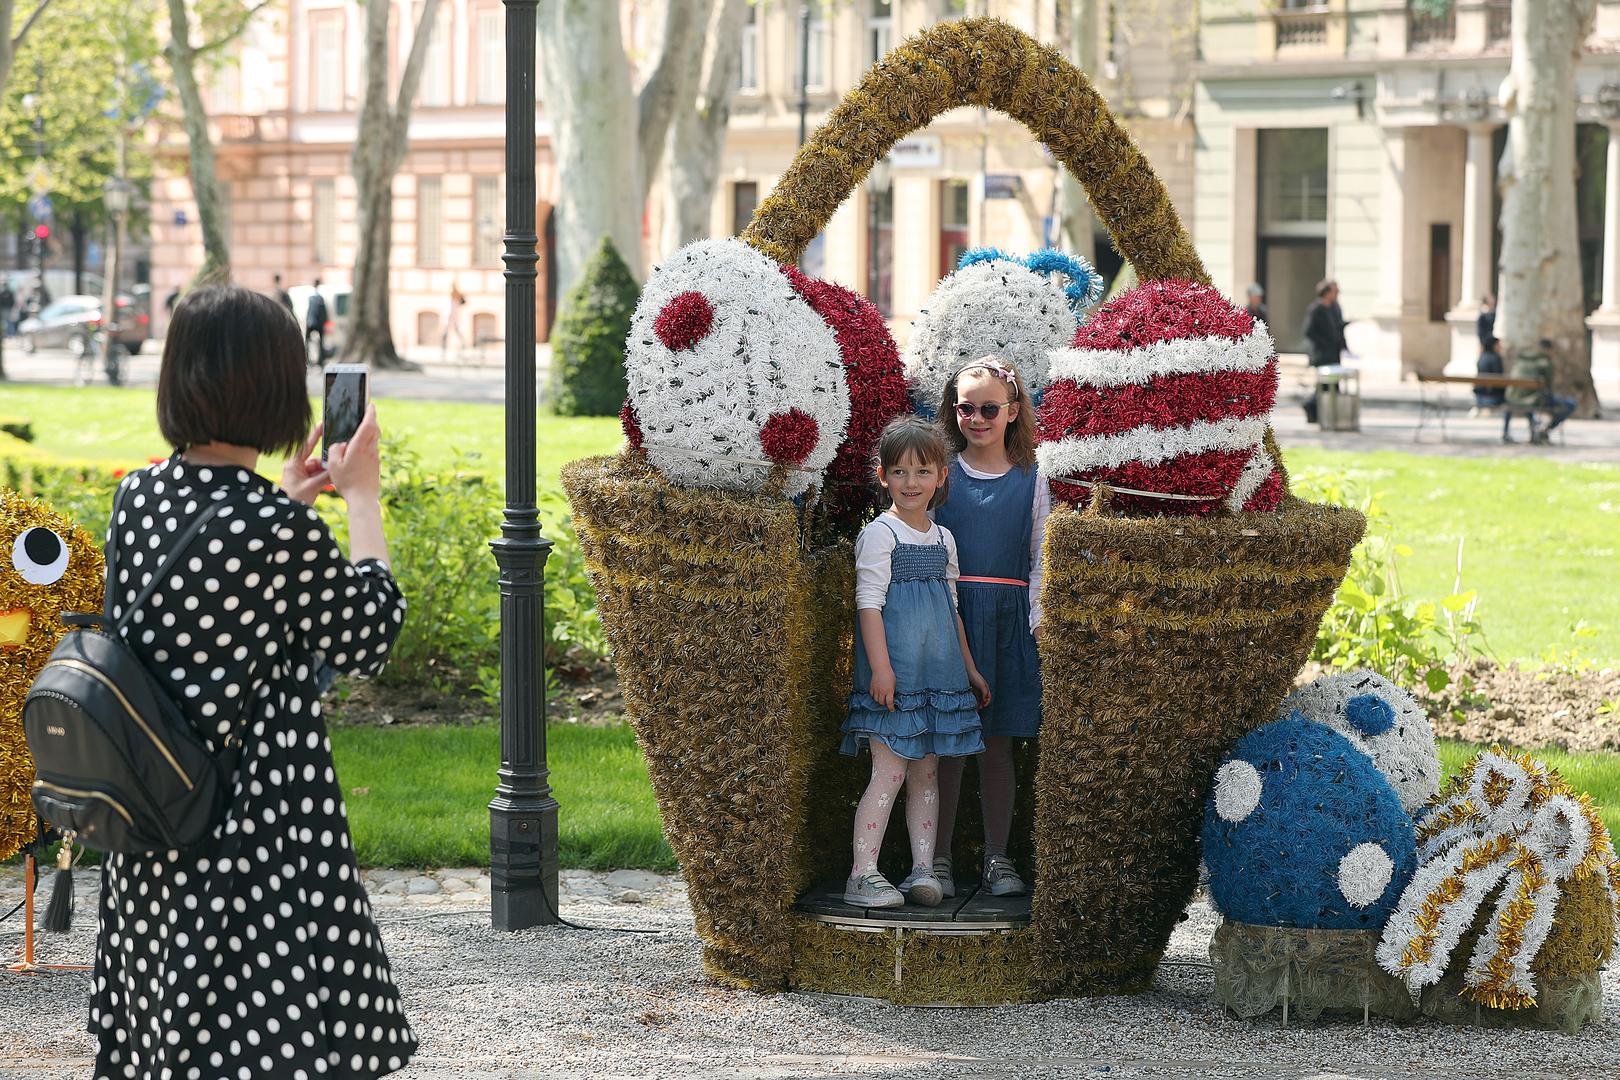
[(1381, 720), (731, 373), (994, 303), (39, 556)]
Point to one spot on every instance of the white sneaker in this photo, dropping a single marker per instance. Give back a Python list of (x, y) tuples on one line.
[(872, 890), (921, 887)]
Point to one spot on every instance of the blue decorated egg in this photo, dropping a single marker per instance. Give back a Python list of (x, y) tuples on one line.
[(1301, 829)]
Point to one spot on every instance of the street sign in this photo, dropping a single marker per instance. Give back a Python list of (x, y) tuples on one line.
[(40, 208), (179, 217), (917, 152), (1002, 185)]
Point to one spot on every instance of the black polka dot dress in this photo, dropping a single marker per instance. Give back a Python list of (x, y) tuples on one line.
[(254, 955)]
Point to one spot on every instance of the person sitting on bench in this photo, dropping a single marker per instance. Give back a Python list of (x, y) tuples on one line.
[(1490, 363), (1538, 366)]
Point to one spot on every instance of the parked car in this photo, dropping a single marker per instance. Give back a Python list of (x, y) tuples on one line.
[(337, 316), (72, 322)]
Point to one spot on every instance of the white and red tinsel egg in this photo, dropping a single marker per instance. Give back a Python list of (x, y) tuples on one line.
[(1168, 389), (733, 373)]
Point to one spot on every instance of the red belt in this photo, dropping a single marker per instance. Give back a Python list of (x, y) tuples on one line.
[(995, 581)]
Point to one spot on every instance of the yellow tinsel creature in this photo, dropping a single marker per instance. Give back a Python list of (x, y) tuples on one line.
[(49, 567), (1505, 825)]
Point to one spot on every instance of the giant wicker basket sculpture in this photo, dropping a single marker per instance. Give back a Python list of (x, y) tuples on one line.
[(1165, 638)]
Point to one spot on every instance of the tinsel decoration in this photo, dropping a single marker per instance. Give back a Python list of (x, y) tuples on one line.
[(720, 346), (49, 567), (877, 394), (1312, 837), (1164, 641), (994, 305), (1167, 389), (1505, 828), (1383, 721)]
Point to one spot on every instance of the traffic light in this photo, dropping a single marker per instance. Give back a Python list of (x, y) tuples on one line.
[(42, 233)]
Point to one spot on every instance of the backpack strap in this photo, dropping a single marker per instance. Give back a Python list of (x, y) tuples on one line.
[(179, 546)]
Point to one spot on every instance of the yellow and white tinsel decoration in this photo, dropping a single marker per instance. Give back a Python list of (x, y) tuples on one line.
[(1505, 820)]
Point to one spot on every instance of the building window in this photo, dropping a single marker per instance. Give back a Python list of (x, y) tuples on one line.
[(487, 220), (744, 198), (490, 55), (1439, 271), (748, 65), (817, 55), (879, 30), (326, 60), (434, 90), (324, 212), (1293, 215), (880, 249), (429, 221), (954, 212)]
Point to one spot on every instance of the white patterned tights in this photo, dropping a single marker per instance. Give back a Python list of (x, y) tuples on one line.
[(890, 772)]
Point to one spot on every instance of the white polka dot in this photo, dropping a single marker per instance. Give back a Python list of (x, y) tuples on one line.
[(1364, 874), (1237, 790)]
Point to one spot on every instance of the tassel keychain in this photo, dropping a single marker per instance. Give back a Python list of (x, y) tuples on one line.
[(59, 915)]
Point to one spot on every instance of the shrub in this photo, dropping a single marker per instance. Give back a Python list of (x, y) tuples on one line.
[(1373, 623), (587, 347)]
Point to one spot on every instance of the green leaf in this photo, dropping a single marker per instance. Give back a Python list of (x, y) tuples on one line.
[(1437, 679)]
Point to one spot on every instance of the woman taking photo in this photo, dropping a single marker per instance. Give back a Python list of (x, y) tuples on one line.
[(254, 954)]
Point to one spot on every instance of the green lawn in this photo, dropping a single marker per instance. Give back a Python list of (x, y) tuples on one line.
[(1540, 540), (419, 796), (1539, 533)]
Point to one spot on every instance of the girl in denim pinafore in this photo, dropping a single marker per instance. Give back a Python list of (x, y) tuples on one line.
[(917, 693), (997, 510)]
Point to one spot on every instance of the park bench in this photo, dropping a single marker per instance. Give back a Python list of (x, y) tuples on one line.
[(1436, 402)]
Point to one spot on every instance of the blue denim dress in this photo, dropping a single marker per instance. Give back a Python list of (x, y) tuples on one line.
[(935, 710), (992, 522)]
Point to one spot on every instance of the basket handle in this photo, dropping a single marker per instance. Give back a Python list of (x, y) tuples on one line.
[(989, 63)]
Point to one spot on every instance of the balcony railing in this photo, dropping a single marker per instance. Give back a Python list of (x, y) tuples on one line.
[(1428, 30), (1301, 27), (1498, 21)]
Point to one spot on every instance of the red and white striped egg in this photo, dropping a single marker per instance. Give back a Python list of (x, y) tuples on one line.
[(1167, 389)]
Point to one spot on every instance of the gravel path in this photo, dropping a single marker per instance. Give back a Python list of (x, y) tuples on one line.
[(570, 1003)]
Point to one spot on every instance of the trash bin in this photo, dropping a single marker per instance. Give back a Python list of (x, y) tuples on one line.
[(1338, 398)]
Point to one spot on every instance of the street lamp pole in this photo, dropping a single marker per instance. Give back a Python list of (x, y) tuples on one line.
[(523, 815), (115, 197)]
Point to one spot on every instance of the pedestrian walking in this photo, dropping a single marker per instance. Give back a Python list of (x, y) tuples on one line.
[(1324, 325), (1485, 324), (8, 300), (452, 321), (315, 317), (1256, 305), (283, 295), (254, 954)]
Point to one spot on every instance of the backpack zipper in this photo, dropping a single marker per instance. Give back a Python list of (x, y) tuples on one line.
[(82, 667), (108, 799)]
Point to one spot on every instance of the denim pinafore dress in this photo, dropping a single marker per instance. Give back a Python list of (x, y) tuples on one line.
[(992, 522), (935, 710)]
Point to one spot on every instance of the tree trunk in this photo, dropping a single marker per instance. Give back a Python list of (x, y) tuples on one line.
[(585, 84), (669, 89), (1541, 293), (77, 231), (379, 150), (216, 265), (697, 137), (10, 42)]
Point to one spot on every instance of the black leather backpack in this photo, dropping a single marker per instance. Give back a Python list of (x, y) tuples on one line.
[(118, 762)]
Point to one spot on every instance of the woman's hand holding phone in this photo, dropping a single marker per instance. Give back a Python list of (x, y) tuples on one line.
[(304, 476), (355, 466)]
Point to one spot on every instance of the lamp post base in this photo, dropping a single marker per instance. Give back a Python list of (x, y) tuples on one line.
[(523, 864)]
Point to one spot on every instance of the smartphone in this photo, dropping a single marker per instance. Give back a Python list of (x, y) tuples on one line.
[(345, 404)]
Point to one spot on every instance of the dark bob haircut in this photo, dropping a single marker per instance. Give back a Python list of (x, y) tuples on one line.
[(233, 372)]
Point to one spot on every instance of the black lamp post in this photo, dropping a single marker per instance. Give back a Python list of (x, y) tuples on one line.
[(523, 815)]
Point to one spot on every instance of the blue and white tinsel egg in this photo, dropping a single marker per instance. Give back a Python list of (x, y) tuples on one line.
[(1302, 830)]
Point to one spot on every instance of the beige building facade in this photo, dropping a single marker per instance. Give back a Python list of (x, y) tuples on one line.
[(1359, 140), (286, 116)]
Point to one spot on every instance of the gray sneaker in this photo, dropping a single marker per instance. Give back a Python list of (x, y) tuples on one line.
[(872, 890), (1001, 877), (945, 875), (921, 887)]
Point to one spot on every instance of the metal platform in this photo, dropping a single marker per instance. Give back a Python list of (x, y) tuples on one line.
[(971, 911)]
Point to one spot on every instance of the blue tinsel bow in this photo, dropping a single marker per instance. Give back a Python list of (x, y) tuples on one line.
[(1085, 284)]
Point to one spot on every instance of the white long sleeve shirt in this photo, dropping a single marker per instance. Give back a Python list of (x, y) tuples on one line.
[(874, 546), (1042, 509)]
